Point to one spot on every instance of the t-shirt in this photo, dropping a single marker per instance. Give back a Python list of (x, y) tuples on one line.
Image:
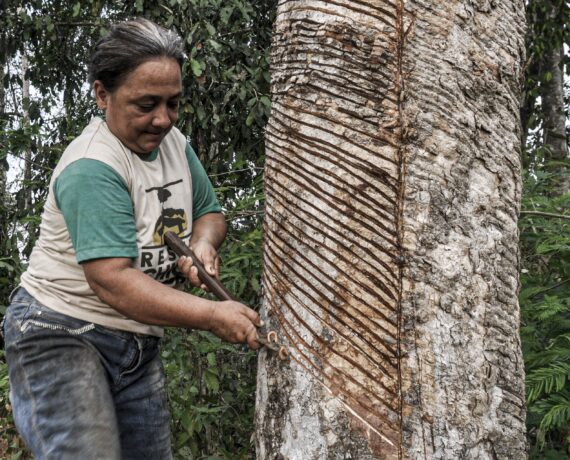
[(106, 201)]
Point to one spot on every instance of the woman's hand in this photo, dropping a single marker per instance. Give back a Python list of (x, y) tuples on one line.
[(208, 233), (207, 254), (235, 323)]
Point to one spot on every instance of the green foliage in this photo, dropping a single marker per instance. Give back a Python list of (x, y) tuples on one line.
[(545, 309), (545, 244), (223, 111), (211, 388), (11, 446), (211, 383), (547, 30)]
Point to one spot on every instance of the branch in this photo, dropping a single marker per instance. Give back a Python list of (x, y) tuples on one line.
[(240, 214), (47, 168), (235, 171), (549, 289), (77, 24), (235, 32), (10, 114), (546, 214)]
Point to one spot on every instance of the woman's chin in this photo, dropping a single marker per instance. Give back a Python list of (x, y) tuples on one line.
[(146, 147)]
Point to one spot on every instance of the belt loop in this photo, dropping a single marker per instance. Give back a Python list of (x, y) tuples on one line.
[(13, 294)]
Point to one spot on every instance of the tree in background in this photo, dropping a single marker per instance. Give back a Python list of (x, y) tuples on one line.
[(544, 102), (391, 244)]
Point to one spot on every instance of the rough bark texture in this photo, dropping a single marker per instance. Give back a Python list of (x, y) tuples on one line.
[(555, 139), (390, 262), (552, 93), (3, 161)]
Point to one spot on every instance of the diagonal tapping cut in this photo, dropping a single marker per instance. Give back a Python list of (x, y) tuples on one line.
[(333, 182)]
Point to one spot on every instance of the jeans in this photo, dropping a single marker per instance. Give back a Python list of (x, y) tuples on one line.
[(83, 391)]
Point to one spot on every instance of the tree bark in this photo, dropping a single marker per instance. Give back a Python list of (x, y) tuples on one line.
[(554, 116), (552, 94), (3, 157), (390, 255), (26, 125)]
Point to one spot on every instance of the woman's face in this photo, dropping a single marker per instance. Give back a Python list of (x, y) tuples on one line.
[(142, 110)]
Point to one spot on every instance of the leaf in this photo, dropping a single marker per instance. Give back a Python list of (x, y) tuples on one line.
[(7, 266), (197, 67), (250, 118), (225, 14), (558, 415), (255, 284), (212, 381), (200, 113), (186, 422), (544, 381), (210, 28), (265, 101), (217, 47)]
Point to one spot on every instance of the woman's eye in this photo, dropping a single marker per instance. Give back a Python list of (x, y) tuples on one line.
[(145, 107)]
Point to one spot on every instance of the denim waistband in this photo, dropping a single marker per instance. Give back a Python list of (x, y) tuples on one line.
[(21, 294)]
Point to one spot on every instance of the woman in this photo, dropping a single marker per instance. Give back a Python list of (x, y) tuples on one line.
[(82, 331)]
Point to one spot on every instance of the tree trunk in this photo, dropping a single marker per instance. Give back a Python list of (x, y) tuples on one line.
[(3, 158), (555, 140), (26, 126), (552, 94), (390, 256)]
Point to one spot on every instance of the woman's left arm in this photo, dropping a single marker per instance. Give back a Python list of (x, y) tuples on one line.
[(208, 234)]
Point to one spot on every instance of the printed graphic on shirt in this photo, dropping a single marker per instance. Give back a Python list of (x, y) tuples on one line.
[(159, 261), (171, 220)]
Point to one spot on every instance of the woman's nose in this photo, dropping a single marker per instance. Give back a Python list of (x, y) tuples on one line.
[(161, 118)]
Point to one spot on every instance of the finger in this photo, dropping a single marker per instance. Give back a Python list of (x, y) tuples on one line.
[(252, 339), (180, 263), (210, 265), (209, 260), (206, 254), (217, 263), (193, 276), (184, 265), (253, 316)]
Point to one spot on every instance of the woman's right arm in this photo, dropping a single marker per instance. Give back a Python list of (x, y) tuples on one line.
[(143, 299)]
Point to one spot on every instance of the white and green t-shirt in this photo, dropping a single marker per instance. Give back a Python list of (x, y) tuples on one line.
[(106, 201)]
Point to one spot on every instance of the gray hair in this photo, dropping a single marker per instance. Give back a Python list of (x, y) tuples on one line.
[(129, 44)]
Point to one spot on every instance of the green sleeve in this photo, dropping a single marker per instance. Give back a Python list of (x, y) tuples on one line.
[(204, 198), (97, 209)]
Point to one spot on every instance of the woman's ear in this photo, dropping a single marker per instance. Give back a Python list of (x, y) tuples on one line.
[(101, 94)]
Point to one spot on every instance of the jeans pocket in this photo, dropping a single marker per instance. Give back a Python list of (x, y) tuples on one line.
[(40, 317)]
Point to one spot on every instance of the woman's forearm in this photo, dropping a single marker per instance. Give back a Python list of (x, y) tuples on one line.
[(211, 228), (144, 299)]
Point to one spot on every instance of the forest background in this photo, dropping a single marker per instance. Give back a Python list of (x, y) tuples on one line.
[(45, 102)]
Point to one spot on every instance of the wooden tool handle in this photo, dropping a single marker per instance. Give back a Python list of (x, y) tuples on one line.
[(213, 284), (219, 290)]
